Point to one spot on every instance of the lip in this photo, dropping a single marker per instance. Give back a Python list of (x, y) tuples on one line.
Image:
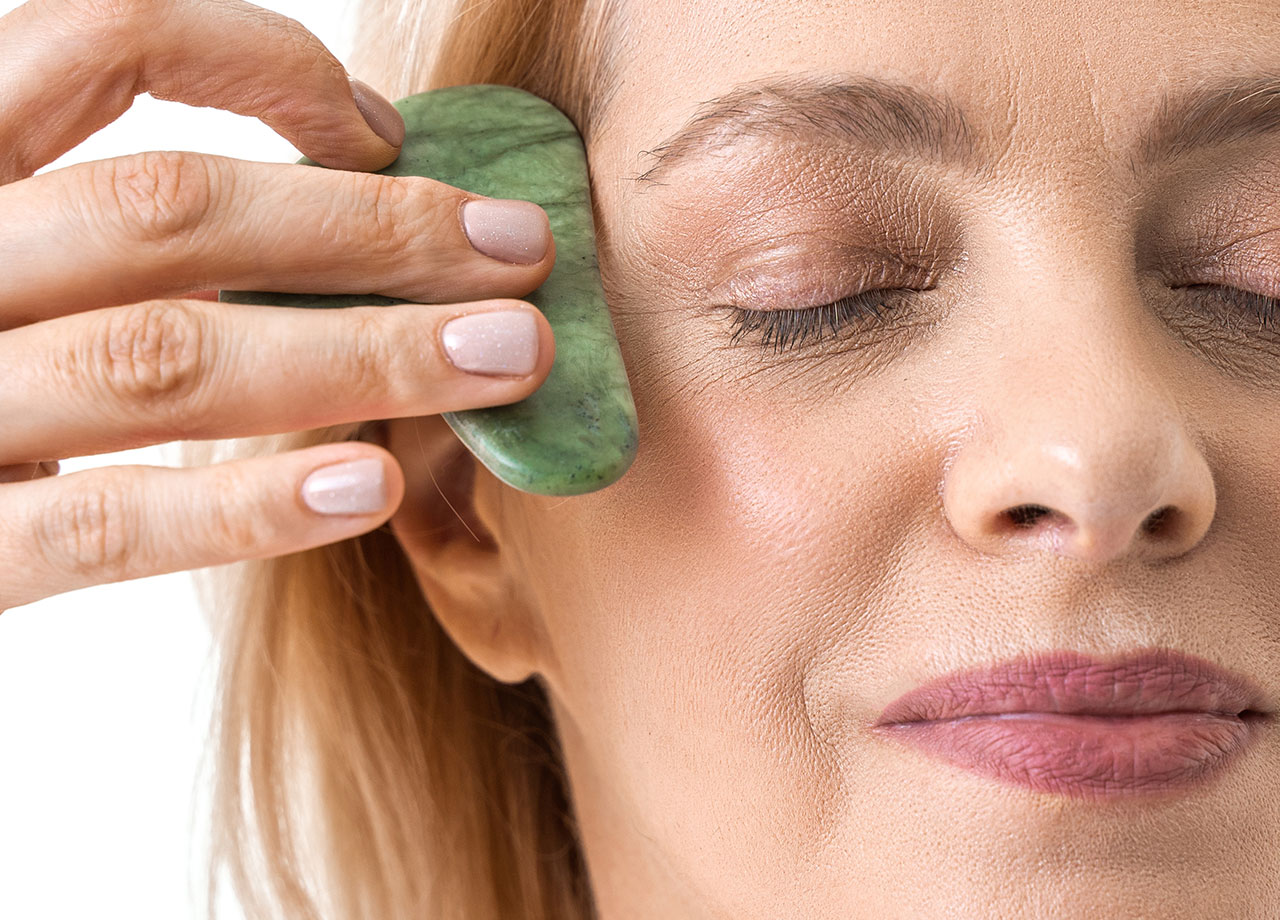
[(1068, 723)]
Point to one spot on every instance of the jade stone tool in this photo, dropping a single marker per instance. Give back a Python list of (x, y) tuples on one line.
[(578, 431)]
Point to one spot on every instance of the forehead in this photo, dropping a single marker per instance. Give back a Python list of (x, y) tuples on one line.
[(1029, 75)]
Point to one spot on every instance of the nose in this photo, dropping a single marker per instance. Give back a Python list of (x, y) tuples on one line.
[(1093, 466)]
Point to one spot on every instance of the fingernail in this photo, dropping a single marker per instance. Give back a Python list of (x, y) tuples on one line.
[(507, 228), (354, 487), (383, 117), (499, 342)]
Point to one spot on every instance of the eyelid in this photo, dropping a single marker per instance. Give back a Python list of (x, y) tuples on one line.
[(1229, 267), (771, 289)]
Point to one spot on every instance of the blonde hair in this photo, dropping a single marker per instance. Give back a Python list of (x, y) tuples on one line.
[(364, 768)]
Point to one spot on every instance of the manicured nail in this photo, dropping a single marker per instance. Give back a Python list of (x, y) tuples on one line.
[(383, 117), (507, 228), (354, 487), (498, 342)]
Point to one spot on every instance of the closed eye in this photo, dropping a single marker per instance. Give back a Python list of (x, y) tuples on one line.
[(1264, 310), (792, 328)]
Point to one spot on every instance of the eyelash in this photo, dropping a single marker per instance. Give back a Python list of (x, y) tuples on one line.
[(1265, 309), (788, 328)]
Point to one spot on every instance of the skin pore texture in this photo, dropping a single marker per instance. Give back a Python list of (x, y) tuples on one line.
[(807, 534)]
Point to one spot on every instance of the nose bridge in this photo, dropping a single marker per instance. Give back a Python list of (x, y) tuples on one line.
[(1077, 442), (1075, 381), (1067, 323)]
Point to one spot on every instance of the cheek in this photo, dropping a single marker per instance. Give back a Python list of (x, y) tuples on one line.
[(688, 602)]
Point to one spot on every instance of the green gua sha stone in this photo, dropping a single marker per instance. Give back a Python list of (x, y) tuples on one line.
[(577, 432)]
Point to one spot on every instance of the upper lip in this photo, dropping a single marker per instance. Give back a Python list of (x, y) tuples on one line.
[(1146, 681)]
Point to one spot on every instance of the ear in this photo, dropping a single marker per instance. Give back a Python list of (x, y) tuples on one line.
[(449, 525)]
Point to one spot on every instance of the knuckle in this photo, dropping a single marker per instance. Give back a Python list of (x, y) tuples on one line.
[(90, 531), (150, 354), (369, 359), (233, 529), (303, 44), (291, 36), (159, 196), (388, 226)]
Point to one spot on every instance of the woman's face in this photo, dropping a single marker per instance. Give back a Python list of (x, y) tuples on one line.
[(807, 534)]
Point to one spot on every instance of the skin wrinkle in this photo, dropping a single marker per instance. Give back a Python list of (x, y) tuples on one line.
[(805, 536)]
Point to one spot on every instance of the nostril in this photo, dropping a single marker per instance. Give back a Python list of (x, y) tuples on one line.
[(1160, 518), (1026, 515)]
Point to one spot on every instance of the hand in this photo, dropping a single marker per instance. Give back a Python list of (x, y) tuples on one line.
[(105, 346)]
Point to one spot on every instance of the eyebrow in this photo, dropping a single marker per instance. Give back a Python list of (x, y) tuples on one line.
[(908, 122)]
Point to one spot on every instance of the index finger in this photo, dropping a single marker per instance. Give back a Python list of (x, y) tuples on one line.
[(74, 66)]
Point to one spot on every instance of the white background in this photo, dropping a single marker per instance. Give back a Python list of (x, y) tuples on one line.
[(105, 692)]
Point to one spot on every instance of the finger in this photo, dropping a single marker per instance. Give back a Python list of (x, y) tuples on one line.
[(187, 370), (74, 66), (123, 522), (181, 220)]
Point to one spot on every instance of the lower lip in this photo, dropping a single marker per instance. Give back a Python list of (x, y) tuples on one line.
[(1084, 756)]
